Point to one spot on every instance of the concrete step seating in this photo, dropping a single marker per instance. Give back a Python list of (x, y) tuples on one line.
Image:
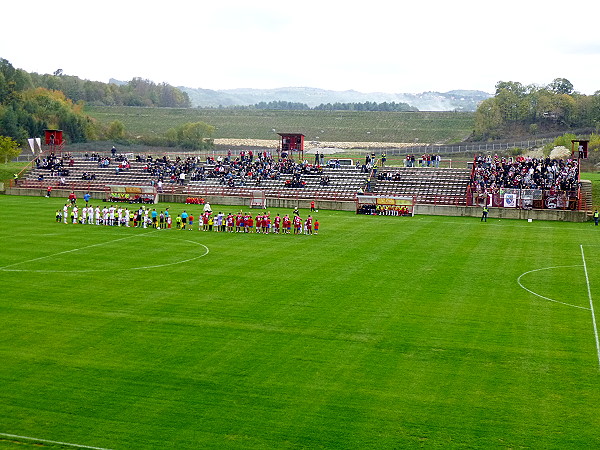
[(428, 184)]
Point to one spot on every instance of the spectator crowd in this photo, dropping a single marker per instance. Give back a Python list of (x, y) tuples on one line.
[(490, 174), (247, 167)]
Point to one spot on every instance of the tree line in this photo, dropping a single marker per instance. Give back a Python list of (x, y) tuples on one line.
[(31, 103), (530, 109), (366, 106), (337, 106), (137, 92), (26, 110)]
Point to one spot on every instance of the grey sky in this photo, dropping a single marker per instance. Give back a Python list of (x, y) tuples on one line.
[(374, 46)]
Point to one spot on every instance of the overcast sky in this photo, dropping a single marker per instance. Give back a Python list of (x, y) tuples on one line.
[(368, 46)]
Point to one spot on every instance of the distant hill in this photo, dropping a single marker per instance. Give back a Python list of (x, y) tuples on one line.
[(461, 100), (117, 82)]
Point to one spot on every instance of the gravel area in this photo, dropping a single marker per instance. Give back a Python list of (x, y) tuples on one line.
[(311, 146)]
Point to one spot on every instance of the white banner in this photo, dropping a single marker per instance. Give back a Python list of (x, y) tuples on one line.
[(510, 201), (31, 145)]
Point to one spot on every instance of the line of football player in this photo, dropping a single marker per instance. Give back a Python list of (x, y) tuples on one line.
[(207, 221)]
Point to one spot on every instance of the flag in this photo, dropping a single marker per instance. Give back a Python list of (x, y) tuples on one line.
[(510, 201)]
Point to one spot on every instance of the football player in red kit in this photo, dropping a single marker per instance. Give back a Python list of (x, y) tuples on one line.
[(308, 229), (276, 223), (297, 225), (286, 224)]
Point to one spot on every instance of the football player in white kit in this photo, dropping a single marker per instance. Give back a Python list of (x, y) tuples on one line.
[(111, 215)]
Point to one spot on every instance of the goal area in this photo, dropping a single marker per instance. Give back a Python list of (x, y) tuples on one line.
[(258, 200)]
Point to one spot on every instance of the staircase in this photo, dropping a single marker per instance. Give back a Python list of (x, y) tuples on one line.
[(586, 196)]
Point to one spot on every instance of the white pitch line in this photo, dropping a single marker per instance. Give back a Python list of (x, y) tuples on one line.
[(73, 250), (548, 298), (155, 266), (15, 436), (587, 280)]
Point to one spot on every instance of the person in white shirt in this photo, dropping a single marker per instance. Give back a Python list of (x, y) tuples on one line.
[(111, 215)]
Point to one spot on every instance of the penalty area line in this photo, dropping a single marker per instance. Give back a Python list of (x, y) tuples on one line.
[(587, 280), (26, 438)]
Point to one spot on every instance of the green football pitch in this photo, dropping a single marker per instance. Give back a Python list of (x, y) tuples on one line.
[(380, 332)]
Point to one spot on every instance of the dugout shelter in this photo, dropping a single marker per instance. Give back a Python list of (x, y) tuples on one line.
[(385, 205), (131, 194)]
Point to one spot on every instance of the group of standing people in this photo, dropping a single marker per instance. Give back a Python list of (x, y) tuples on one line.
[(260, 224), (425, 160), (144, 217), (108, 215)]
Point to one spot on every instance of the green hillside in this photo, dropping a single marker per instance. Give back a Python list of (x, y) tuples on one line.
[(336, 126)]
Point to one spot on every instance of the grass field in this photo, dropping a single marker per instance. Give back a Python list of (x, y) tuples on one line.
[(328, 126), (594, 177), (7, 170), (381, 332)]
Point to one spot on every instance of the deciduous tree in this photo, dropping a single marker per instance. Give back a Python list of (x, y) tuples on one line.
[(561, 86), (9, 149)]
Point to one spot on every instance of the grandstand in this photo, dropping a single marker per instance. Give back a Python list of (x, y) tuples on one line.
[(429, 185), (527, 183), (223, 181)]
